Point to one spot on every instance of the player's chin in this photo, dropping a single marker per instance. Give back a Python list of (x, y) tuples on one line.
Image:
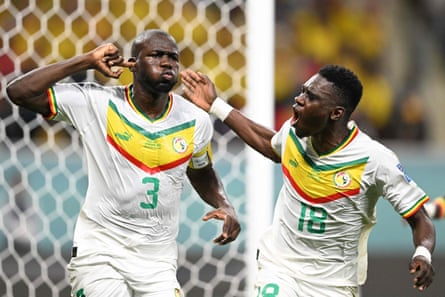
[(166, 86)]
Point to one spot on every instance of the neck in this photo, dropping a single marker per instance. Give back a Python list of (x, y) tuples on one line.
[(328, 141), (152, 105)]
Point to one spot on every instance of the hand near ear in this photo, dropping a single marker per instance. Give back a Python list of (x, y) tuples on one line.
[(130, 63), (107, 57)]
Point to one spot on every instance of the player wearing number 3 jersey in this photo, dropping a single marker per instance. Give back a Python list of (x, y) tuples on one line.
[(333, 175), (141, 141)]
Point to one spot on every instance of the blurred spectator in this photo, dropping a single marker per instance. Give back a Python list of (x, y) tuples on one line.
[(310, 34), (409, 121)]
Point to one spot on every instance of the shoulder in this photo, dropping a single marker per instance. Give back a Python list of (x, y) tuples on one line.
[(89, 87), (188, 109), (379, 154)]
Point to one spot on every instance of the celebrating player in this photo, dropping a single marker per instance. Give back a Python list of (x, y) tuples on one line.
[(140, 142), (333, 176)]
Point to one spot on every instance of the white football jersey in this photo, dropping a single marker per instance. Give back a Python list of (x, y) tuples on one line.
[(327, 206), (136, 165)]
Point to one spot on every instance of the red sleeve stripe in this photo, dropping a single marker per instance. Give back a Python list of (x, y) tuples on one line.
[(52, 103)]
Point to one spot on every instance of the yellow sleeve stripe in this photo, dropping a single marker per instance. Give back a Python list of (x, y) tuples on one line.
[(416, 207)]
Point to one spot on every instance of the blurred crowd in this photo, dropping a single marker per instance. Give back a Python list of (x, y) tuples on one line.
[(357, 34), (309, 33)]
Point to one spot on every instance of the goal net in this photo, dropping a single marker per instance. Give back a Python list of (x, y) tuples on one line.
[(43, 178)]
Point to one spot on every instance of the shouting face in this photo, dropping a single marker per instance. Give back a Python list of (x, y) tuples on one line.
[(316, 106)]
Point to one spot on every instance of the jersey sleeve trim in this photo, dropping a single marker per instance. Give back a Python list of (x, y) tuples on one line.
[(416, 207), (52, 103)]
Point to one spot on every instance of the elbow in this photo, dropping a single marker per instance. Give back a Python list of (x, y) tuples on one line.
[(21, 94), (13, 93)]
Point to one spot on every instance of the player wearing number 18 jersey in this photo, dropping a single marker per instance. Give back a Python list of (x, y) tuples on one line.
[(326, 209), (333, 175), (141, 141)]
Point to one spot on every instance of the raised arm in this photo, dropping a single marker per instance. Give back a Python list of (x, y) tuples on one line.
[(209, 187), (29, 90), (424, 238), (200, 90)]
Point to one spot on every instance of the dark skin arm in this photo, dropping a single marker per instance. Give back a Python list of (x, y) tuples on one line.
[(29, 90), (423, 232), (209, 187), (200, 90)]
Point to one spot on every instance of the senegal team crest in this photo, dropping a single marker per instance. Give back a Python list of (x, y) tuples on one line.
[(179, 144), (342, 179)]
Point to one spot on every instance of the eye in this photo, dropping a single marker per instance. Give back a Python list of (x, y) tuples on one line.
[(299, 91), (174, 57), (311, 96)]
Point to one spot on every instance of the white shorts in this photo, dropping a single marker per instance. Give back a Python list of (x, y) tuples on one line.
[(100, 266), (272, 282)]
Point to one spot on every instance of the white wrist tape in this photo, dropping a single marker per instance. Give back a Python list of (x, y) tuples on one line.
[(220, 109), (423, 251)]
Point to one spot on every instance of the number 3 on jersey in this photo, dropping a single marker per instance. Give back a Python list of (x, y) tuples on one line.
[(152, 193)]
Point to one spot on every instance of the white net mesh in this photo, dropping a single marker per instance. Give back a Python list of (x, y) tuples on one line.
[(42, 181)]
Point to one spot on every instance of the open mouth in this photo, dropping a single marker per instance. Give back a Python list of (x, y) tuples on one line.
[(295, 118)]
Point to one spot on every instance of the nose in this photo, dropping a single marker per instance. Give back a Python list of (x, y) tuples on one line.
[(299, 99), (166, 61)]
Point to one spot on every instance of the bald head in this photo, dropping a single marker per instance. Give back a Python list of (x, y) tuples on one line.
[(148, 36)]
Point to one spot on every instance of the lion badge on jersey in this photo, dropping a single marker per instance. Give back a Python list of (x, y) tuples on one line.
[(342, 179), (179, 144)]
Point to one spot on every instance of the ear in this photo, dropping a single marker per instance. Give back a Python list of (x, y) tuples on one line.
[(132, 60), (337, 113)]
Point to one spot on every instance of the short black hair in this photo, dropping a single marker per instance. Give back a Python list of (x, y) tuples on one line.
[(346, 82)]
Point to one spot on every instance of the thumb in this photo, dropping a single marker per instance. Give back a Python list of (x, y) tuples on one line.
[(214, 214)]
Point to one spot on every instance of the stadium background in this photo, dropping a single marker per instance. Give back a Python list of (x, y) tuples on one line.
[(395, 46)]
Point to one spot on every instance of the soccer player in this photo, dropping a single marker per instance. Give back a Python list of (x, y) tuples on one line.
[(333, 175), (141, 141)]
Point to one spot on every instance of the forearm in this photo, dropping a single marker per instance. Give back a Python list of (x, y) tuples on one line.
[(423, 230), (208, 186), (256, 136)]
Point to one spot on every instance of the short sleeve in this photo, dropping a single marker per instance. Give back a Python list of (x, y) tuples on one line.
[(397, 187), (277, 141), (69, 103)]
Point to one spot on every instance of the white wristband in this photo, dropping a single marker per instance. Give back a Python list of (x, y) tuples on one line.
[(423, 251), (220, 109)]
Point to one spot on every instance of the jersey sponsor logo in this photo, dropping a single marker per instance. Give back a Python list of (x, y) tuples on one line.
[(80, 293), (124, 136), (151, 152), (333, 181)]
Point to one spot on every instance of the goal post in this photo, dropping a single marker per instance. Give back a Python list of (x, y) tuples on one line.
[(260, 107), (43, 177)]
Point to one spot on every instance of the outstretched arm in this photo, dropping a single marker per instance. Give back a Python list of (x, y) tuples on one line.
[(209, 187), (200, 90), (29, 90), (424, 238)]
